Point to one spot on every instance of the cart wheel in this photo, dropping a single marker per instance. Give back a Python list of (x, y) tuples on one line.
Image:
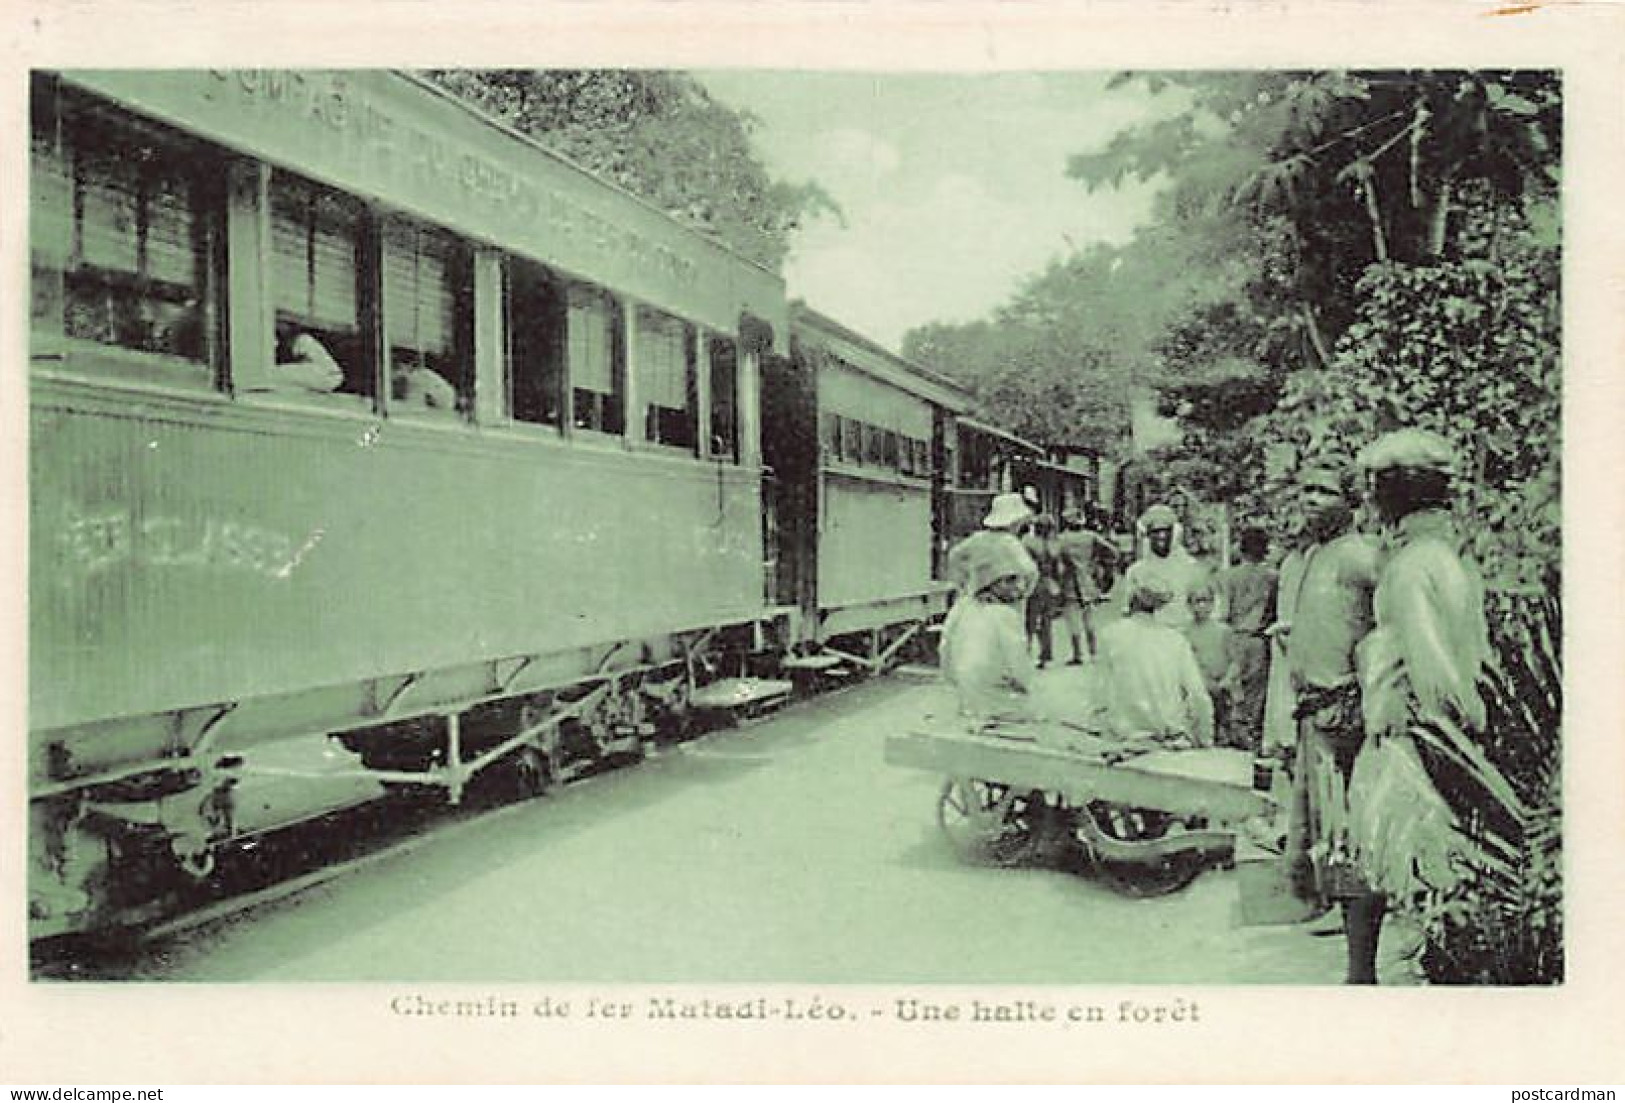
[(1128, 824), (1153, 877), (985, 821), (1161, 877)]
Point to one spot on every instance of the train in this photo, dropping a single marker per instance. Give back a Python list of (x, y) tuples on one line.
[(375, 446)]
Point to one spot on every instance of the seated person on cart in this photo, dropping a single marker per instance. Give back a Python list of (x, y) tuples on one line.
[(984, 642), (1149, 682)]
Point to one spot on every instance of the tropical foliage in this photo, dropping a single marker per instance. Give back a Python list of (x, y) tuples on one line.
[(1505, 785), (1333, 255), (1380, 249)]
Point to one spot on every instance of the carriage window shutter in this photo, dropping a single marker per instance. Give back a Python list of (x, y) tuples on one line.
[(663, 362), (401, 300), (851, 440), (109, 196), (439, 305), (334, 238), (591, 366), (290, 267), (171, 247), (418, 301)]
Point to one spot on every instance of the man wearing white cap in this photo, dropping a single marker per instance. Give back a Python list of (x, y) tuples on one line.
[(1419, 664), (1165, 565)]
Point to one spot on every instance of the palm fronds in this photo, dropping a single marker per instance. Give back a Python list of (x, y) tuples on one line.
[(1503, 923)]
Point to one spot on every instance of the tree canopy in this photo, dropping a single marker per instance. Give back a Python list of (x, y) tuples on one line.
[(1331, 254), (659, 135)]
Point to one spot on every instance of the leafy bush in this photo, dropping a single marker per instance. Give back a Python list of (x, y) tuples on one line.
[(1467, 347), (1504, 924)]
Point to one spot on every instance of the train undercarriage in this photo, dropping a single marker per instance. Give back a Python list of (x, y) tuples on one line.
[(125, 815)]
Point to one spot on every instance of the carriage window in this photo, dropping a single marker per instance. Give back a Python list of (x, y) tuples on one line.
[(596, 361), (428, 301), (832, 436), (888, 449), (724, 399), (874, 445), (536, 334), (131, 215), (316, 274), (851, 440), (666, 379)]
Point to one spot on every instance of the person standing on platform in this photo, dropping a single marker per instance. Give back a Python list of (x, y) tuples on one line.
[(1165, 564), (1210, 642), (1324, 610), (1045, 600), (1003, 523), (1419, 664), (1085, 561), (1248, 592)]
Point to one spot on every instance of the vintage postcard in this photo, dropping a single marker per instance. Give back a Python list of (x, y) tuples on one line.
[(813, 543)]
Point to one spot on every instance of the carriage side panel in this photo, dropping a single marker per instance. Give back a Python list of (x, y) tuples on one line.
[(198, 553)]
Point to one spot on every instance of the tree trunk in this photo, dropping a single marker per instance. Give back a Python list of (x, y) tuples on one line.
[(1316, 341), (1368, 188), (1440, 222)]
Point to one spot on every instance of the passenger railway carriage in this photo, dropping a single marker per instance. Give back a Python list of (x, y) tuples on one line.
[(858, 439), (375, 445), (227, 568)]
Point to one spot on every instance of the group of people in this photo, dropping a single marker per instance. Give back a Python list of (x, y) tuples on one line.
[(1321, 667)]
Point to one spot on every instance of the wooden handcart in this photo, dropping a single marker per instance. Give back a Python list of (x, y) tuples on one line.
[(1144, 818)]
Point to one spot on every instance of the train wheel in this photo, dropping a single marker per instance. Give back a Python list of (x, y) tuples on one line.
[(529, 773), (197, 864), (985, 821), (520, 776)]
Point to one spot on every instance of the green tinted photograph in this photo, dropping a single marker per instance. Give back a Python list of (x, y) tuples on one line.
[(750, 526)]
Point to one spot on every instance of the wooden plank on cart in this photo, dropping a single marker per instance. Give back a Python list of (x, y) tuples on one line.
[(1164, 782)]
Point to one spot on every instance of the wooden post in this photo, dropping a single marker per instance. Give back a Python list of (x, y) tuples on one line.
[(699, 344), (491, 405), (250, 298), (631, 401), (746, 389)]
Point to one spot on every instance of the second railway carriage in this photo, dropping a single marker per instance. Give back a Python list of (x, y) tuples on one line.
[(983, 461), (514, 518), (856, 437)]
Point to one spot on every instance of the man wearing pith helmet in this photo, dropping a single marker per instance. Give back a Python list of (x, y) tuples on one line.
[(1419, 664), (1003, 523)]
